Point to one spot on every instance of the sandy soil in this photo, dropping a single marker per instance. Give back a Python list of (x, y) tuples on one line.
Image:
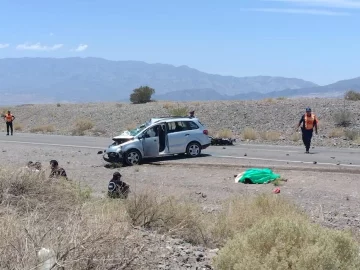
[(331, 198)]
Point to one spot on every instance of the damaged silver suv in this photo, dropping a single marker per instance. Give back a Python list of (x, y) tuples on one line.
[(157, 138)]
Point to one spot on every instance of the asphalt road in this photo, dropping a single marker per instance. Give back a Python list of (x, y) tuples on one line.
[(266, 154)]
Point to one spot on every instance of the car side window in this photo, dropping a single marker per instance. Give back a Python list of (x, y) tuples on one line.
[(151, 132), (191, 125), (177, 126)]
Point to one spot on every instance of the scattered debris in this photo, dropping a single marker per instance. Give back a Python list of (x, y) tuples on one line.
[(276, 190), (100, 152), (245, 155), (222, 141), (315, 162), (333, 157)]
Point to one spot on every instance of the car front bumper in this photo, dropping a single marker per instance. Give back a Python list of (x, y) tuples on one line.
[(112, 157)]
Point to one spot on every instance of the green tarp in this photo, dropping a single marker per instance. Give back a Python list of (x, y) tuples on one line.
[(256, 176)]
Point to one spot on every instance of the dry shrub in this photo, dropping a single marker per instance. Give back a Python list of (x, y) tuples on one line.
[(281, 98), (178, 111), (351, 134), (290, 242), (337, 133), (168, 216), (57, 215), (270, 135), (296, 137), (168, 105), (98, 132), (343, 118), (249, 134), (269, 100), (225, 133), (18, 127), (42, 129), (81, 126), (240, 213)]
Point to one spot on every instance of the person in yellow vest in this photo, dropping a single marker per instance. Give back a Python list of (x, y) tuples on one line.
[(9, 118), (309, 121)]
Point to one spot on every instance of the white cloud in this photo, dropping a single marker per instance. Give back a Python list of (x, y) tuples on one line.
[(3, 46), (351, 4), (81, 47), (300, 11), (38, 47)]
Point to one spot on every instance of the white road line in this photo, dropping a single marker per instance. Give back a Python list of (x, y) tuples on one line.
[(290, 161), (54, 144)]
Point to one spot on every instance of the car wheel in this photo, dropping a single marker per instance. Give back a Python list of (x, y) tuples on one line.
[(132, 157), (193, 149)]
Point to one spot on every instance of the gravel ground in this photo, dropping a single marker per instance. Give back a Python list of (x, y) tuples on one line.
[(268, 115), (332, 199)]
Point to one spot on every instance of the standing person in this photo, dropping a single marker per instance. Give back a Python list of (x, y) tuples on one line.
[(309, 121), (9, 118), (118, 188)]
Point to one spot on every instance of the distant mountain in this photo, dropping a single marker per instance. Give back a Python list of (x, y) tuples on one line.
[(96, 79), (332, 90)]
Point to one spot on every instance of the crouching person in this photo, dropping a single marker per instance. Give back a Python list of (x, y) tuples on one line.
[(56, 171), (117, 188)]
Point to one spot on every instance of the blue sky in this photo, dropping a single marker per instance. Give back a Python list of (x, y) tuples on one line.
[(316, 40)]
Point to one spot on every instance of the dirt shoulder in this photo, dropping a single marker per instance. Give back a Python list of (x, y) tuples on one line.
[(330, 197)]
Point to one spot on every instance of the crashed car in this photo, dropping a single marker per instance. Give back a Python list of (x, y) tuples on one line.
[(159, 137)]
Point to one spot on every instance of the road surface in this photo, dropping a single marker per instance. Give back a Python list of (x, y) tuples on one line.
[(266, 154)]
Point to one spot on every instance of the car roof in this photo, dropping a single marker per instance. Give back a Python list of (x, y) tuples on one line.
[(170, 118)]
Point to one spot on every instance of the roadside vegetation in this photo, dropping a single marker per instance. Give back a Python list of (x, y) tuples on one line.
[(81, 126), (352, 95), (42, 129), (86, 232), (142, 95)]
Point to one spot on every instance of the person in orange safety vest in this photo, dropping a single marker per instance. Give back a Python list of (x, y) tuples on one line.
[(310, 122), (9, 118)]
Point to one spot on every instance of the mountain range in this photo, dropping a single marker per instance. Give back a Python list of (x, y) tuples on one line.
[(44, 80)]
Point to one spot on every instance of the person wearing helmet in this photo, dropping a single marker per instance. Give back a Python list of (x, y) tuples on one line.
[(118, 188), (309, 121)]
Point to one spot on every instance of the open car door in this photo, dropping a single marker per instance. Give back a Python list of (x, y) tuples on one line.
[(150, 142)]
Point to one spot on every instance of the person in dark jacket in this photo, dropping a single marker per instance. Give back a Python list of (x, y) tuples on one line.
[(118, 188), (56, 171)]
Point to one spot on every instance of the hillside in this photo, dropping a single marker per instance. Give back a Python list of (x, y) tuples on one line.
[(40, 80), (277, 117)]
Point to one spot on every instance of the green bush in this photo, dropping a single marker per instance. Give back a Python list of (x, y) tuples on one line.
[(352, 95), (289, 243), (142, 95)]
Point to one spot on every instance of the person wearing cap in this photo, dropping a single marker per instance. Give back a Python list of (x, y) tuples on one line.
[(309, 121), (118, 188), (56, 171)]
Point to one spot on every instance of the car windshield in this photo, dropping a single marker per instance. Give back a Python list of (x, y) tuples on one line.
[(140, 128)]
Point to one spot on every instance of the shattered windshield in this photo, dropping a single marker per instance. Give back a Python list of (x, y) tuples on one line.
[(140, 128)]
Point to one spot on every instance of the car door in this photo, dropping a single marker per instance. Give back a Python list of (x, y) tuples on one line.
[(150, 142), (178, 137)]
